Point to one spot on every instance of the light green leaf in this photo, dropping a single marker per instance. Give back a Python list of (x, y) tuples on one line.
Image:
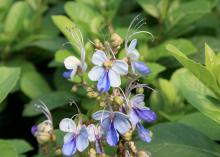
[(52, 100), (33, 84), (197, 69), (7, 150), (172, 140), (15, 19), (198, 94), (209, 57), (4, 6), (150, 6), (8, 80), (203, 124), (60, 55), (184, 45)]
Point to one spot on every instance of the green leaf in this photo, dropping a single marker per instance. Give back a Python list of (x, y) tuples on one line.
[(63, 22), (150, 6), (7, 150), (21, 146), (160, 51), (197, 69), (60, 55), (209, 57), (33, 84), (52, 100), (203, 124), (4, 6), (198, 94), (172, 140), (8, 80), (15, 19)]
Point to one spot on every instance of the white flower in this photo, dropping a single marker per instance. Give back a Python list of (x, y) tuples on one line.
[(107, 72)]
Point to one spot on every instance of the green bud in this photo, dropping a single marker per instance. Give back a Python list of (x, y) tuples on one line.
[(140, 90), (92, 94), (118, 100)]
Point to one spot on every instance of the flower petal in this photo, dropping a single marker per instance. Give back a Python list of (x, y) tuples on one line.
[(100, 115), (67, 125), (105, 123), (120, 66), (121, 123), (141, 68), (133, 54), (98, 146), (133, 44), (112, 136), (91, 132), (99, 57), (137, 99), (133, 117), (96, 73), (103, 84), (143, 133), (82, 140), (146, 114), (71, 62), (69, 148), (114, 78)]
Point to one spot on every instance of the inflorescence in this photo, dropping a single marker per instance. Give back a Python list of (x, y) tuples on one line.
[(121, 110)]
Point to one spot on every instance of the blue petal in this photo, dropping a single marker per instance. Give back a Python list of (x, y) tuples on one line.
[(146, 114), (69, 148), (67, 74), (143, 133), (134, 118), (141, 68), (34, 129), (82, 140), (121, 122), (112, 136), (104, 83)]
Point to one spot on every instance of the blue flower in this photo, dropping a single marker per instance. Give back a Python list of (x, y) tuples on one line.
[(112, 124), (107, 72), (141, 68), (144, 134), (139, 112), (76, 137)]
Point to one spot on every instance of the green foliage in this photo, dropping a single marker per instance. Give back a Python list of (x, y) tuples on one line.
[(34, 41)]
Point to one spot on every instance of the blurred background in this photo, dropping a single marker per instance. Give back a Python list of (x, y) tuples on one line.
[(32, 49)]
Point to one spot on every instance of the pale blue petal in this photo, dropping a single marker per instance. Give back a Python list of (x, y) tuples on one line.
[(82, 140), (141, 68), (69, 148), (137, 99), (133, 44), (103, 84), (133, 117), (100, 115), (98, 146), (143, 133), (96, 73), (112, 136), (120, 66), (99, 57), (114, 78), (105, 125), (121, 123)]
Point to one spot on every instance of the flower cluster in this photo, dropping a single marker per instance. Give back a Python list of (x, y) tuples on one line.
[(121, 111)]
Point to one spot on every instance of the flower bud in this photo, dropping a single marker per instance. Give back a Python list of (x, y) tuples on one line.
[(102, 104), (74, 88), (89, 89), (92, 152), (143, 154), (118, 100), (58, 152), (92, 94), (128, 135), (140, 90), (116, 40), (98, 44), (132, 147)]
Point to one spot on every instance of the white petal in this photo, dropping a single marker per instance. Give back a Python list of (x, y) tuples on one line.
[(91, 132), (114, 78), (120, 66), (137, 99), (71, 62), (99, 57), (133, 44), (67, 125), (133, 54), (73, 72), (121, 122), (96, 73)]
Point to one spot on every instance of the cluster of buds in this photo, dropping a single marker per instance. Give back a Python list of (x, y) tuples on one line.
[(122, 110)]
